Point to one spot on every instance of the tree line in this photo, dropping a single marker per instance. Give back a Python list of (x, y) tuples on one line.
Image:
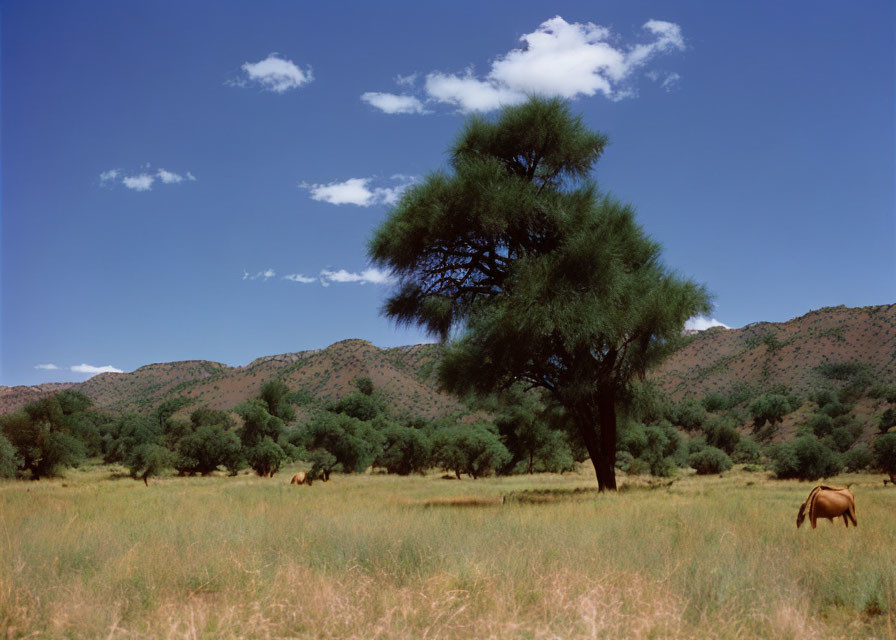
[(516, 431)]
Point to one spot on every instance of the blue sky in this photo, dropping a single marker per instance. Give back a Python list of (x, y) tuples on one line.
[(197, 180)]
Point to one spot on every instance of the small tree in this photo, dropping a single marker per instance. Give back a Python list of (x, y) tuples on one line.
[(275, 394), (690, 414), (887, 421), (353, 443), (405, 450), (266, 457), (45, 433), (804, 458), (771, 409), (885, 453), (9, 459), (148, 460), (473, 449), (858, 458)]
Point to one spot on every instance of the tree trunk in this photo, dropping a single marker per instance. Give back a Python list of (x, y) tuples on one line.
[(607, 419), (599, 433)]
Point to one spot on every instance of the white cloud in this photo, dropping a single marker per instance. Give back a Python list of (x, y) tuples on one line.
[(275, 74), (562, 59), (469, 93), (702, 323), (142, 182), (48, 367), (406, 81), (391, 103), (264, 275), (110, 175), (89, 368), (371, 276), (357, 192), (298, 277), (671, 81), (168, 177)]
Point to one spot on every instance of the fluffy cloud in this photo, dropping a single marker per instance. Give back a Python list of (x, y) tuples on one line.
[(298, 277), (48, 367), (89, 368), (702, 323), (264, 275), (109, 176), (392, 103), (141, 182), (357, 191), (371, 276), (275, 74), (562, 59), (144, 180)]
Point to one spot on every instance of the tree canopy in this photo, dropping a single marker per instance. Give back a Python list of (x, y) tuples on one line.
[(541, 278)]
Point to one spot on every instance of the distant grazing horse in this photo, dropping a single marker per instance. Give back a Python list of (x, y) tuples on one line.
[(299, 478), (828, 502)]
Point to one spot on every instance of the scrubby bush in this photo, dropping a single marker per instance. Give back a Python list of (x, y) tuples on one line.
[(353, 443), (472, 449), (887, 421), (771, 409), (885, 453), (208, 447), (820, 425), (265, 457), (149, 459), (722, 434), (52, 433), (659, 447), (710, 460), (804, 458), (405, 450), (690, 414), (277, 398), (841, 438), (858, 458), (746, 451), (9, 459), (535, 443)]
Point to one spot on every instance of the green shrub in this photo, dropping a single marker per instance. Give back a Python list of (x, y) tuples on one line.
[(885, 452), (722, 434), (690, 414), (820, 425), (207, 448), (266, 457), (472, 449), (354, 443), (710, 460), (9, 459), (887, 421), (804, 458), (858, 458), (405, 450), (746, 451)]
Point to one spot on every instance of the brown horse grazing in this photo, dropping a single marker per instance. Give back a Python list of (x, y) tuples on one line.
[(299, 478), (828, 502)]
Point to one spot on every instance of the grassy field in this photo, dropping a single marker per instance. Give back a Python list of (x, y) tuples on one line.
[(376, 556)]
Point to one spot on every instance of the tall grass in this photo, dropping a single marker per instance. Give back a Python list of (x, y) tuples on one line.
[(379, 556)]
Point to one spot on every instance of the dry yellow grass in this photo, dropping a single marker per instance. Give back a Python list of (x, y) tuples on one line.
[(385, 557)]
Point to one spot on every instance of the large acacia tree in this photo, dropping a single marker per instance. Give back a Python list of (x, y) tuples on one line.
[(535, 275)]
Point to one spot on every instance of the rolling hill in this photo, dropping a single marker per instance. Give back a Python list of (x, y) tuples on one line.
[(799, 354)]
